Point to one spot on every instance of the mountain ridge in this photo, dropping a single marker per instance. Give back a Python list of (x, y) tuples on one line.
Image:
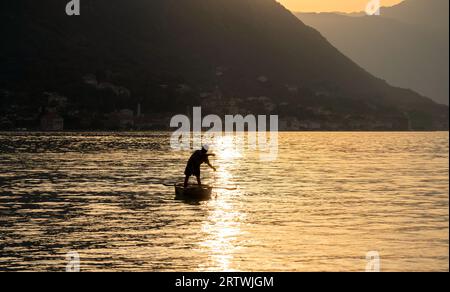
[(415, 48), (168, 54)]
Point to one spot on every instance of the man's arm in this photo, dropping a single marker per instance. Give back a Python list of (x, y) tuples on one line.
[(209, 163)]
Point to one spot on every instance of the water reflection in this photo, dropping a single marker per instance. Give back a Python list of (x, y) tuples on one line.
[(327, 200), (222, 227), (221, 230), (229, 147)]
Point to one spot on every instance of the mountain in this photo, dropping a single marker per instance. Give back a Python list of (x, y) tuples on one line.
[(407, 45), (432, 14), (171, 54)]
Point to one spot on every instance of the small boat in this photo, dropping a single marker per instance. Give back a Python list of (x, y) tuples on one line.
[(193, 192)]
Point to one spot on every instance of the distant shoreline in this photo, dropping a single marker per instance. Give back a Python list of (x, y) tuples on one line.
[(169, 131)]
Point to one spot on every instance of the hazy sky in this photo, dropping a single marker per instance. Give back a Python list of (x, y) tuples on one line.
[(331, 5)]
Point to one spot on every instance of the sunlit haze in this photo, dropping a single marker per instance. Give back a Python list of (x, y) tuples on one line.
[(331, 5)]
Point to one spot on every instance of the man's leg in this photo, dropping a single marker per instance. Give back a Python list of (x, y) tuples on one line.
[(199, 180), (186, 181)]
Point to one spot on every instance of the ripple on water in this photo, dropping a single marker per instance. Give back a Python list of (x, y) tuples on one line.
[(325, 202)]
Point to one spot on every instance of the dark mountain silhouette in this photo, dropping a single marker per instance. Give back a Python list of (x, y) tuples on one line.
[(170, 54), (407, 45)]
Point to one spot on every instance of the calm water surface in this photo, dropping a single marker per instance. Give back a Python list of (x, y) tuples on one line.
[(325, 202)]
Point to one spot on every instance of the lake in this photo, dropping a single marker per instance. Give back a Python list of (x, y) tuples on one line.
[(326, 202)]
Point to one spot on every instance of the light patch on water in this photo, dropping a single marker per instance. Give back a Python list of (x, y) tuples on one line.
[(326, 202)]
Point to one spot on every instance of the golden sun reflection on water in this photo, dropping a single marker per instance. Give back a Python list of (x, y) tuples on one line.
[(223, 225), (325, 202), (226, 147), (221, 231)]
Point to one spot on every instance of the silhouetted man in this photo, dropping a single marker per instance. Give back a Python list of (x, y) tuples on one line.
[(193, 166)]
